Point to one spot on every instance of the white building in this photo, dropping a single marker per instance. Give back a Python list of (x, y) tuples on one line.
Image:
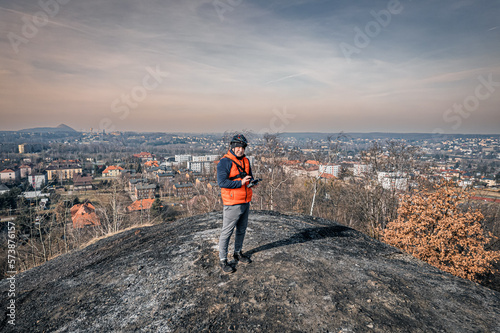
[(9, 175), (37, 181), (205, 158), (182, 158), (332, 169), (34, 195), (201, 166)]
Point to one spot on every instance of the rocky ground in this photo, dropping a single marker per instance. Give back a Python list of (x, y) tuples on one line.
[(308, 275)]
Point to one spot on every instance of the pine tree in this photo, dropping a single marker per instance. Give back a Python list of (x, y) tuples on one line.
[(157, 208)]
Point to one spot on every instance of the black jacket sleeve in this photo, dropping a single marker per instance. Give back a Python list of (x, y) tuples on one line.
[(223, 171)]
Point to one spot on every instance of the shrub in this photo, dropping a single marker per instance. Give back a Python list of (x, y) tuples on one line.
[(432, 227)]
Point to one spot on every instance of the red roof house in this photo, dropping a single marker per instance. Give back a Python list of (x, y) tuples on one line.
[(142, 204), (84, 215), (112, 171)]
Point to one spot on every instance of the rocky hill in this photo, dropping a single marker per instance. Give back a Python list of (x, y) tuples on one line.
[(308, 275), (58, 129)]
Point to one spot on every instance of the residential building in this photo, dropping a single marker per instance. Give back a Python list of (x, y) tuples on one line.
[(82, 182), (202, 166), (133, 182), (332, 169), (24, 171), (165, 175), (151, 172), (127, 173), (184, 189), (84, 215), (112, 171), (144, 156), (141, 204), (9, 175), (163, 178), (182, 158), (205, 158), (326, 176), (63, 170), (152, 163), (145, 191), (37, 181)]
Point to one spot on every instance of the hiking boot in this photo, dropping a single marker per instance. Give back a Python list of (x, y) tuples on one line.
[(239, 256), (226, 268)]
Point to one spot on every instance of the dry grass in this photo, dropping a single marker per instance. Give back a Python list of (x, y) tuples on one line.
[(488, 193), (96, 239)]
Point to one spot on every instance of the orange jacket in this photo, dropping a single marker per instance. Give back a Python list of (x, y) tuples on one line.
[(240, 195)]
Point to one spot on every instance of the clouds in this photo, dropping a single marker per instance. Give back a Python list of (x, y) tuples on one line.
[(260, 56)]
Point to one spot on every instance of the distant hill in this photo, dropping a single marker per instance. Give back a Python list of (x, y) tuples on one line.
[(60, 128), (308, 275)]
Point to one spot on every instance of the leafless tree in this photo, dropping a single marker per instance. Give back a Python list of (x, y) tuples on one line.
[(334, 146), (269, 159)]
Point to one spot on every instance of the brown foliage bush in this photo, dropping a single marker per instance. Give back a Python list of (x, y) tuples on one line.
[(432, 227)]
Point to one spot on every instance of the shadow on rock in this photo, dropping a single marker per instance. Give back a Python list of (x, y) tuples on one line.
[(304, 236)]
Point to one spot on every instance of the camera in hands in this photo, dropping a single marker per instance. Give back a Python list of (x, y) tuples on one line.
[(254, 182)]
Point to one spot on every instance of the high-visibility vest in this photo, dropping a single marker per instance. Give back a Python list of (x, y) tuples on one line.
[(240, 195)]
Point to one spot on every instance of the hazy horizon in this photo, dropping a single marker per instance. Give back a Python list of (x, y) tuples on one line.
[(95, 130), (212, 66)]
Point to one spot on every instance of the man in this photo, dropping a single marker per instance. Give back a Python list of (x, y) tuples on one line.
[(233, 175)]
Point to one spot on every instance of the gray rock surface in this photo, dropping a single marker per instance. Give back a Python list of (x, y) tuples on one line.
[(308, 275)]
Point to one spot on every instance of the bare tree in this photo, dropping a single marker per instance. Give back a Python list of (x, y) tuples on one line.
[(269, 166), (334, 145)]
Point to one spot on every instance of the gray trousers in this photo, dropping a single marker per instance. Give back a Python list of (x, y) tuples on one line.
[(235, 216)]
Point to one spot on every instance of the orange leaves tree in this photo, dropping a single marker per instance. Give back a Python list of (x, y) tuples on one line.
[(432, 227)]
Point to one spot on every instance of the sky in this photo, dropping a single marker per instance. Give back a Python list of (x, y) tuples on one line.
[(272, 66)]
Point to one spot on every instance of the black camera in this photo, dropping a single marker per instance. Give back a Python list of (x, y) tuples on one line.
[(254, 182)]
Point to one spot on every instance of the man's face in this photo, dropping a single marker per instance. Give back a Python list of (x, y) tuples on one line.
[(239, 151)]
